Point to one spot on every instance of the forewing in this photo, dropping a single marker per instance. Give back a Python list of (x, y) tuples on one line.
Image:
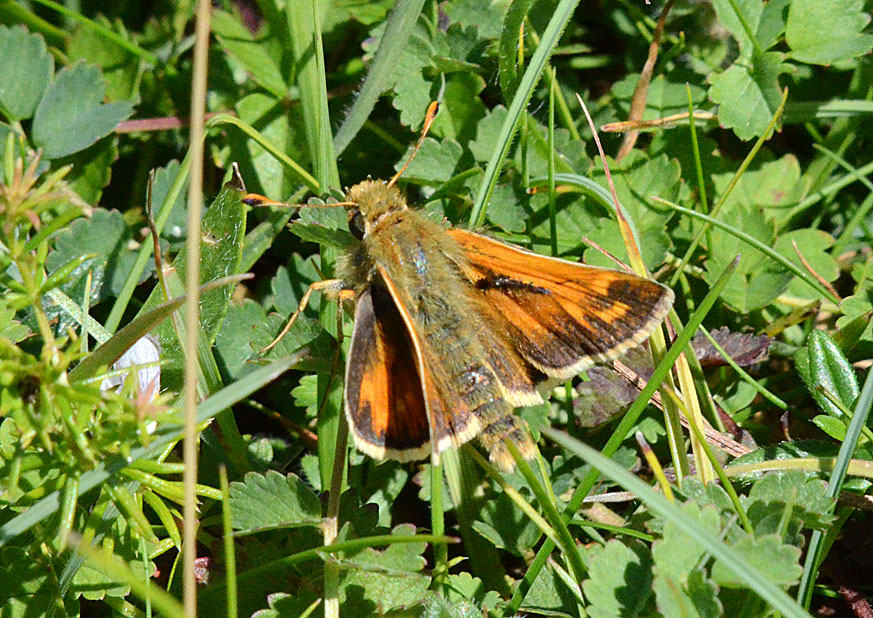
[(384, 400), (561, 316)]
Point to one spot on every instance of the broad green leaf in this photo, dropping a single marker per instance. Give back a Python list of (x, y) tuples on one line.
[(620, 580), (505, 210), (377, 581), (105, 235), (676, 553), (505, 526), (234, 344), (436, 162), (29, 586), (221, 235), (121, 69), (766, 20), (802, 493), (549, 596), (777, 561), (827, 32), (261, 58), (855, 325), (92, 169), (813, 245), (72, 116), (412, 95), (461, 108), (487, 132), (830, 371), (774, 187), (663, 97), (25, 72), (437, 607), (283, 605), (281, 127), (748, 94), (758, 279), (265, 502), (834, 427), (289, 284), (694, 596), (637, 179), (485, 15)]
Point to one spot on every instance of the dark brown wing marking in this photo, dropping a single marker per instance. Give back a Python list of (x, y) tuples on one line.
[(561, 316)]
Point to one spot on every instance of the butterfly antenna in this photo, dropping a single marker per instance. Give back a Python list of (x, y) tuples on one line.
[(432, 110), (257, 200)]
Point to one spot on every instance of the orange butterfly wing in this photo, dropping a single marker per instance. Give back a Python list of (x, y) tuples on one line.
[(561, 316), (384, 400)]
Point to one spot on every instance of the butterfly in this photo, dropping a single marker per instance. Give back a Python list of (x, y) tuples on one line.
[(453, 329)]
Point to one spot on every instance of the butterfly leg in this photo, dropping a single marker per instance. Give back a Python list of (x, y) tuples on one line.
[(336, 288)]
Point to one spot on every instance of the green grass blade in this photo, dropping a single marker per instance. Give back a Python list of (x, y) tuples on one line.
[(757, 244), (835, 482), (628, 421), (563, 13), (400, 25), (145, 251), (750, 575), (305, 26)]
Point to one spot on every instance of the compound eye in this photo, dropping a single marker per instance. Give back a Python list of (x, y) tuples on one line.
[(356, 224)]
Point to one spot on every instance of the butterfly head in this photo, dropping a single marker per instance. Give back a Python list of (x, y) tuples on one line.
[(369, 202)]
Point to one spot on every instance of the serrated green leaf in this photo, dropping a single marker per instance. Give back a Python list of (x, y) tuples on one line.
[(694, 597), (461, 108), (774, 187), (403, 50), (663, 97), (92, 169), (26, 71), (758, 279), (748, 94), (777, 561), (487, 132), (827, 32), (766, 21), (265, 502), (384, 580), (435, 163), (831, 371), (799, 491), (620, 580), (71, 116), (412, 95), (263, 172), (676, 553), (484, 15), (283, 605)]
